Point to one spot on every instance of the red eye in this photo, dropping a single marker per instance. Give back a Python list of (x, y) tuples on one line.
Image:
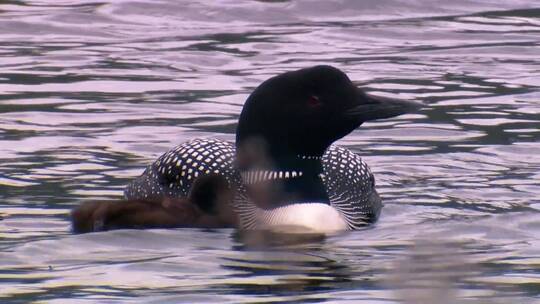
[(314, 101)]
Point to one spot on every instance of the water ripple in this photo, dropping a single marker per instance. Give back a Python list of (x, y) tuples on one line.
[(91, 92)]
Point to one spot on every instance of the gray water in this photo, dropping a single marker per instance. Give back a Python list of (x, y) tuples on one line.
[(92, 91)]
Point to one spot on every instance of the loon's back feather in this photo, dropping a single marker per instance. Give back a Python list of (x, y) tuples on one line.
[(173, 173)]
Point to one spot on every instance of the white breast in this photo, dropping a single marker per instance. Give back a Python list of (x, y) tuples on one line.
[(302, 218)]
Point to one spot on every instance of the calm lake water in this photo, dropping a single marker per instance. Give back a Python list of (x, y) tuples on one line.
[(92, 91)]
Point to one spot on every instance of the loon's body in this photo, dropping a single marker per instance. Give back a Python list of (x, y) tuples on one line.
[(282, 172), (346, 178)]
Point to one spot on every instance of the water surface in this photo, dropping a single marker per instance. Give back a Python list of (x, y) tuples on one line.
[(91, 92)]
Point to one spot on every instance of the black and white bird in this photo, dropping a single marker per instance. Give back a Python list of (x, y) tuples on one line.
[(283, 171)]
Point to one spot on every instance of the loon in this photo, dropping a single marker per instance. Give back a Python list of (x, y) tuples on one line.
[(283, 167), (283, 171)]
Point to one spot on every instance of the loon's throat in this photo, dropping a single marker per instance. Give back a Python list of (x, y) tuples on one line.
[(283, 168)]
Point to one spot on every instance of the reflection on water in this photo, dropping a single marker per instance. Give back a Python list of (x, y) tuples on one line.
[(187, 265), (91, 92)]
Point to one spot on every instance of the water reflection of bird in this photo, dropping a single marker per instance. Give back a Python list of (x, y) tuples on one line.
[(283, 173), (292, 269)]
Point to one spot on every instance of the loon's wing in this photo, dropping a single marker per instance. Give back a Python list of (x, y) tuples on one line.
[(174, 172)]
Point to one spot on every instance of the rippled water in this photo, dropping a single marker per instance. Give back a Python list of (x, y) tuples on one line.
[(91, 92)]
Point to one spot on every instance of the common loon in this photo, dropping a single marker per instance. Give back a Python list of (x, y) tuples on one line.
[(283, 171)]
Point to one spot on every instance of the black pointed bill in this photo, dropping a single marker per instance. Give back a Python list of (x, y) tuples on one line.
[(377, 107)]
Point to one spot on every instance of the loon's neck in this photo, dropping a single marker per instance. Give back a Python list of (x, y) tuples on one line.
[(290, 179)]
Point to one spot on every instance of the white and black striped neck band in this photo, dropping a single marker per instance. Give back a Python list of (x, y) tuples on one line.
[(308, 157), (257, 176)]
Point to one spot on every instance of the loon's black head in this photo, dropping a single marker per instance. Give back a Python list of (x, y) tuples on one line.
[(303, 112)]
